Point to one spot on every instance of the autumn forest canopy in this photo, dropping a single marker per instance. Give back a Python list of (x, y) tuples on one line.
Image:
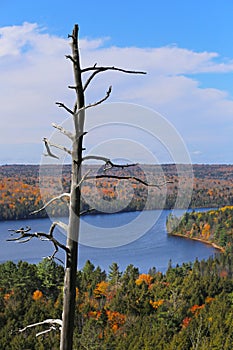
[(20, 190), (188, 307)]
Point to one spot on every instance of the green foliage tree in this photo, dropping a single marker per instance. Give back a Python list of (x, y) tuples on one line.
[(51, 276), (114, 274)]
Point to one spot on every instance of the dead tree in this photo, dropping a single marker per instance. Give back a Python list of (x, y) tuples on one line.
[(78, 113), (76, 153)]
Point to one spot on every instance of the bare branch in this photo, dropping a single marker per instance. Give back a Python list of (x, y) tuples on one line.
[(50, 154), (25, 235), (51, 201), (62, 148), (71, 36), (104, 69), (62, 105), (51, 321), (52, 328), (21, 230), (81, 134), (83, 178), (105, 176), (104, 159), (52, 257), (87, 211), (90, 79), (108, 163), (51, 238), (70, 58), (103, 99), (64, 131), (62, 225), (23, 241), (95, 103), (56, 243), (48, 143)]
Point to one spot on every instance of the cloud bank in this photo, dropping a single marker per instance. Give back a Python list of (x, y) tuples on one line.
[(35, 74)]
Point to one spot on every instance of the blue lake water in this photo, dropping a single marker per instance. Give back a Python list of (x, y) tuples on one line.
[(150, 247)]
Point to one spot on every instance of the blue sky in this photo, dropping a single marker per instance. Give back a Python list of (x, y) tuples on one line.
[(185, 46)]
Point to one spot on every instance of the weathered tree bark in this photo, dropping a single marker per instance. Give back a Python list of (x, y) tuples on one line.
[(78, 113), (75, 201)]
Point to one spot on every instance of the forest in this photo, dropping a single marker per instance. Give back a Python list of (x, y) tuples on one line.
[(20, 189), (188, 307), (213, 226)]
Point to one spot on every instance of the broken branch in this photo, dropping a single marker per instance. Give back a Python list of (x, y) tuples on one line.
[(48, 143), (70, 58), (64, 131), (49, 153), (51, 321), (51, 201)]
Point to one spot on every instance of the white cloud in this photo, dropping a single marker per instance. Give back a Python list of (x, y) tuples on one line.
[(13, 38), (35, 74)]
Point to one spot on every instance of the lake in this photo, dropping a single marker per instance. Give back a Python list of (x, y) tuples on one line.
[(124, 238)]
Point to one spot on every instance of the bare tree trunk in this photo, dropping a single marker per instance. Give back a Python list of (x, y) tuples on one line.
[(75, 201), (71, 248)]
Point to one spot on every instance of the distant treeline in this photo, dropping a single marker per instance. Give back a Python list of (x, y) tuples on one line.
[(20, 188)]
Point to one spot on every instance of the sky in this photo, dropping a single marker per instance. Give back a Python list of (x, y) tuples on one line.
[(185, 47)]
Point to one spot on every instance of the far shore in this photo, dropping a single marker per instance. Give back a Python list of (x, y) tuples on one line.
[(214, 245), (96, 212)]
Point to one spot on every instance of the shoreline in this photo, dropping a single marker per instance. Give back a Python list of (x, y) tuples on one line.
[(96, 212), (214, 245)]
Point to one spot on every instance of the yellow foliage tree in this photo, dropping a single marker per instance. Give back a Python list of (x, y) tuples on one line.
[(101, 289), (144, 278), (156, 304), (37, 295)]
